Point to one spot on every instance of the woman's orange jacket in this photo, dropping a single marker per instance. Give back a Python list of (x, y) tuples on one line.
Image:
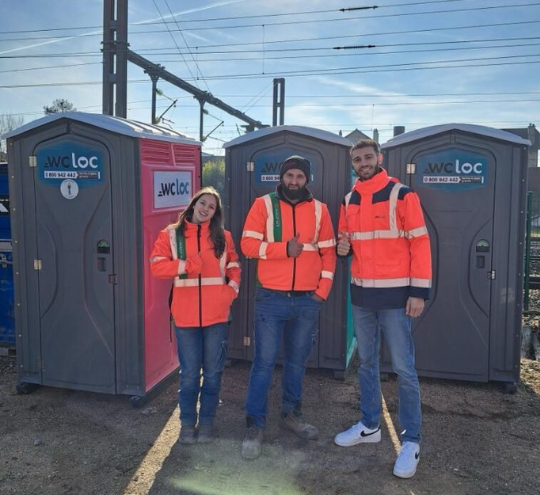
[(198, 300)]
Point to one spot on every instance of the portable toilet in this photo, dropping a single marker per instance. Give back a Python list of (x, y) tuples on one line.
[(471, 181), (89, 194), (7, 321), (252, 164)]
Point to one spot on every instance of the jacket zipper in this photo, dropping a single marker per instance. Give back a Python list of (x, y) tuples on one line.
[(200, 275), (294, 233)]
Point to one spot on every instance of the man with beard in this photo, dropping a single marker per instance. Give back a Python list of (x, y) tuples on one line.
[(382, 225), (291, 236)]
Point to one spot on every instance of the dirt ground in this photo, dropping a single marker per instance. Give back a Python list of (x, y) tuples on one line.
[(477, 440)]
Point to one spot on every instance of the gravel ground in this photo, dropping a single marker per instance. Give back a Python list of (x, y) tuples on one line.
[(477, 440)]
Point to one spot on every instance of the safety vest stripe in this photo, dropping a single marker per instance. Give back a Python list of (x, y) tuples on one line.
[(310, 247), (392, 206), (377, 234), (182, 267), (417, 232), (318, 215), (381, 283), (233, 264), (424, 283), (157, 258), (234, 285), (347, 199), (269, 218), (194, 282), (326, 244), (262, 250), (388, 234), (251, 233), (326, 274)]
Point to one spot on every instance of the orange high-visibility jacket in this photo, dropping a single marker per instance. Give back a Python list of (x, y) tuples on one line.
[(314, 268), (384, 223), (198, 300)]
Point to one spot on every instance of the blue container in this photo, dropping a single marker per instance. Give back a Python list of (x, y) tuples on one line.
[(7, 321), (7, 318), (5, 224)]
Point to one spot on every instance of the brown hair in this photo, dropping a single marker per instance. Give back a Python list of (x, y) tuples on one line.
[(217, 234), (365, 143)]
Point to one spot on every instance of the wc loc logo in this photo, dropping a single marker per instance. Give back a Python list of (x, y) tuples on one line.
[(70, 160), (271, 167), (454, 167), (458, 168), (270, 171), (174, 188)]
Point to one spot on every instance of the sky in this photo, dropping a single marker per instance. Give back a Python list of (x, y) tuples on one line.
[(428, 62)]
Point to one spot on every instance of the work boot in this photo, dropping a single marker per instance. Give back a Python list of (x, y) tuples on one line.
[(252, 444), (206, 434), (294, 422), (188, 435)]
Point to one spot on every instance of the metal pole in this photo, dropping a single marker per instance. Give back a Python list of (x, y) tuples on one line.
[(154, 92), (278, 106), (108, 58), (121, 58), (527, 251), (201, 123)]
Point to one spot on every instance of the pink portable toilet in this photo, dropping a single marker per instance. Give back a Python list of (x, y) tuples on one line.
[(89, 194)]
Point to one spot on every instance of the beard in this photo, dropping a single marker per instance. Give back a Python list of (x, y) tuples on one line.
[(294, 193)]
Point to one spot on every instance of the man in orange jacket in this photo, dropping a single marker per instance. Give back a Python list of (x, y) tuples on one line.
[(381, 220), (290, 234)]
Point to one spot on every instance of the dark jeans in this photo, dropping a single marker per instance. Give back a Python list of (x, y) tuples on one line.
[(293, 321), (201, 348), (396, 327)]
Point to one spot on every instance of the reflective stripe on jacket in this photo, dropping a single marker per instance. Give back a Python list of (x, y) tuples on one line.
[(384, 223), (197, 300), (314, 268)]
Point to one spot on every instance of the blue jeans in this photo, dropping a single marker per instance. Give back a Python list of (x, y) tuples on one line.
[(198, 348), (295, 321), (396, 326)]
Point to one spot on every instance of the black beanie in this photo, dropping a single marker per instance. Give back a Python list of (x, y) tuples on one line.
[(298, 162)]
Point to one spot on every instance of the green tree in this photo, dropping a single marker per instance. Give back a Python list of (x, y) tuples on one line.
[(213, 174), (59, 105)]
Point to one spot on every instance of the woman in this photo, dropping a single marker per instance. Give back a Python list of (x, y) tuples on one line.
[(199, 255)]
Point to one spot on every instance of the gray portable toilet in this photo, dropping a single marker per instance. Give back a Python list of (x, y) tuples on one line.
[(89, 194), (252, 165), (472, 184)]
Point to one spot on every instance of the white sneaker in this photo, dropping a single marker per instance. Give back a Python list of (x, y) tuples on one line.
[(356, 434), (408, 459)]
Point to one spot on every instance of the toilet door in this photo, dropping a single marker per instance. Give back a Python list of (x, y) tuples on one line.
[(74, 264)]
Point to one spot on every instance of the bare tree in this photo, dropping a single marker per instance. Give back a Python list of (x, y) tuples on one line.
[(8, 123), (59, 105)]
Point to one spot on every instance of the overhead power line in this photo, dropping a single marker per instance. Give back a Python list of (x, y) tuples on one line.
[(388, 33), (229, 18), (351, 70), (293, 57), (284, 23), (282, 50)]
